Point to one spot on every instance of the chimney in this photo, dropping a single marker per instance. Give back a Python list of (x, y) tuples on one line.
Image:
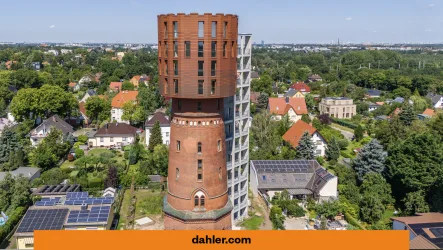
[(287, 99)]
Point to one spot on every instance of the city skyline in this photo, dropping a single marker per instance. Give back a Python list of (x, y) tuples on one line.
[(299, 21)]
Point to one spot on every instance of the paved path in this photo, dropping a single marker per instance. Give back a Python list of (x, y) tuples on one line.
[(348, 135)]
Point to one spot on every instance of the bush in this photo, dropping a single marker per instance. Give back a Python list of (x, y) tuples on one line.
[(79, 153), (344, 123), (351, 220), (346, 154), (95, 183), (14, 218), (320, 160), (343, 143), (70, 157), (82, 139), (126, 155), (295, 210), (77, 144)]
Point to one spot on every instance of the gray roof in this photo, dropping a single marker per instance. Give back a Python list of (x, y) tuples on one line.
[(434, 98), (291, 174), (290, 93), (155, 178), (57, 122), (254, 74), (91, 92), (27, 172), (399, 100), (161, 117), (373, 92)]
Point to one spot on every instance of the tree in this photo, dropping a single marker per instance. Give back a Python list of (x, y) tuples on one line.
[(264, 133), (263, 85), (98, 109), (371, 209), (325, 119), (407, 115), (306, 148), (277, 218), (133, 113), (9, 143), (149, 98), (112, 178), (310, 103), (284, 125), (370, 159), (333, 150), (375, 184), (306, 118), (262, 101), (127, 85), (53, 176), (160, 157), (329, 209), (402, 92), (415, 202), (156, 136), (358, 133)]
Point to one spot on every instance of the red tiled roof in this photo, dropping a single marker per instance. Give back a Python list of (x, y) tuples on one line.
[(115, 85), (420, 218), (294, 134), (122, 97), (82, 108), (301, 86), (136, 78), (380, 103), (72, 84), (429, 112), (280, 107)]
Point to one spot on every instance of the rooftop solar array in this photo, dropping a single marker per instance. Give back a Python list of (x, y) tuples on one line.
[(55, 189), (74, 195), (95, 214), (418, 230), (437, 231), (43, 219), (285, 166), (89, 201), (324, 174), (56, 199), (45, 203)]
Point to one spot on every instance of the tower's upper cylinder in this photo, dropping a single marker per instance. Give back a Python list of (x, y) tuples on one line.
[(197, 55)]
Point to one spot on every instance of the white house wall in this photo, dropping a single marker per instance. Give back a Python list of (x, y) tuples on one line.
[(320, 144), (166, 135), (330, 188)]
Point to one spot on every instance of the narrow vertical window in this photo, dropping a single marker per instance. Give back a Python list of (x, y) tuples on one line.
[(201, 29), (233, 49), (219, 145), (177, 173), (175, 24), (187, 49), (213, 67), (179, 104), (176, 86), (199, 147), (166, 85), (202, 201), (218, 104), (199, 170), (199, 106), (166, 49), (201, 46), (159, 48), (175, 49), (166, 68), (200, 87), (214, 30), (213, 49), (225, 45), (213, 83), (200, 68), (196, 201), (225, 28), (166, 30), (175, 67), (178, 145)]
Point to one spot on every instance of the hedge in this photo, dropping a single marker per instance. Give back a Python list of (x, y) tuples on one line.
[(346, 154), (11, 223), (344, 123), (351, 220)]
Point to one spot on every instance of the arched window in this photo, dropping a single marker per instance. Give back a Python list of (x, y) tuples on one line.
[(199, 147), (196, 201), (202, 201)]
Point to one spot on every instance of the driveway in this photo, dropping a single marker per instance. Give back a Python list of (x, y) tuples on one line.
[(296, 223), (348, 135)]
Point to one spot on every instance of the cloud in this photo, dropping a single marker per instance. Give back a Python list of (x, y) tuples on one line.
[(348, 18), (431, 5), (428, 30), (374, 31), (52, 26)]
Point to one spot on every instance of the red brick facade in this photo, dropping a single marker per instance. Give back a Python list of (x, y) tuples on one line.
[(197, 69)]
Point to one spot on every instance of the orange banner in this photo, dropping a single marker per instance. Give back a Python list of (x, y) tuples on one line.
[(245, 240)]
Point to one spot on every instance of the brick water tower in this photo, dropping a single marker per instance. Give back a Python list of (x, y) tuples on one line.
[(197, 63)]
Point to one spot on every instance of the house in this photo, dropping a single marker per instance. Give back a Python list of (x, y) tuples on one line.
[(52, 51), (255, 75), (254, 96), (397, 111), (72, 211), (109, 192), (42, 130), (144, 79), (36, 65), (98, 76), (87, 79), (338, 107), (83, 117), (303, 179), (314, 78), (427, 114), (51, 191), (115, 86), (113, 135), (373, 93), (165, 126), (9, 64), (118, 101), (293, 107), (28, 172), (425, 229), (293, 93), (135, 80), (295, 133), (120, 55), (437, 100), (382, 118), (302, 87), (372, 106), (88, 94), (401, 100), (4, 122), (74, 86)]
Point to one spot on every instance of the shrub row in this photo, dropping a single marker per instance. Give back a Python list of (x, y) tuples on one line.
[(14, 218), (351, 220), (344, 123)]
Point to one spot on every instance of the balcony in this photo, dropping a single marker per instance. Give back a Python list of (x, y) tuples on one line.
[(245, 144), (246, 113), (237, 98), (238, 82)]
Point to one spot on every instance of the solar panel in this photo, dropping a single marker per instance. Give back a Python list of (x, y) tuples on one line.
[(45, 203), (90, 201), (43, 219), (73, 195), (437, 231), (95, 214)]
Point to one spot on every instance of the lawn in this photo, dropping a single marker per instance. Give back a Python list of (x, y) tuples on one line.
[(252, 223), (342, 127), (148, 203)]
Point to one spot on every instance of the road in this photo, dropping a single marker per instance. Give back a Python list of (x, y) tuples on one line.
[(348, 135)]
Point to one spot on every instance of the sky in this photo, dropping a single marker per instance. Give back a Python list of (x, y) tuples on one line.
[(273, 21)]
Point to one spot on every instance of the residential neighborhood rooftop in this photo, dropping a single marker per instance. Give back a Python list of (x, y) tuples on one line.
[(122, 97), (111, 129), (160, 117), (281, 106)]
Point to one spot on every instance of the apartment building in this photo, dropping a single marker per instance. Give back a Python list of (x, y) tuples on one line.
[(338, 107)]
